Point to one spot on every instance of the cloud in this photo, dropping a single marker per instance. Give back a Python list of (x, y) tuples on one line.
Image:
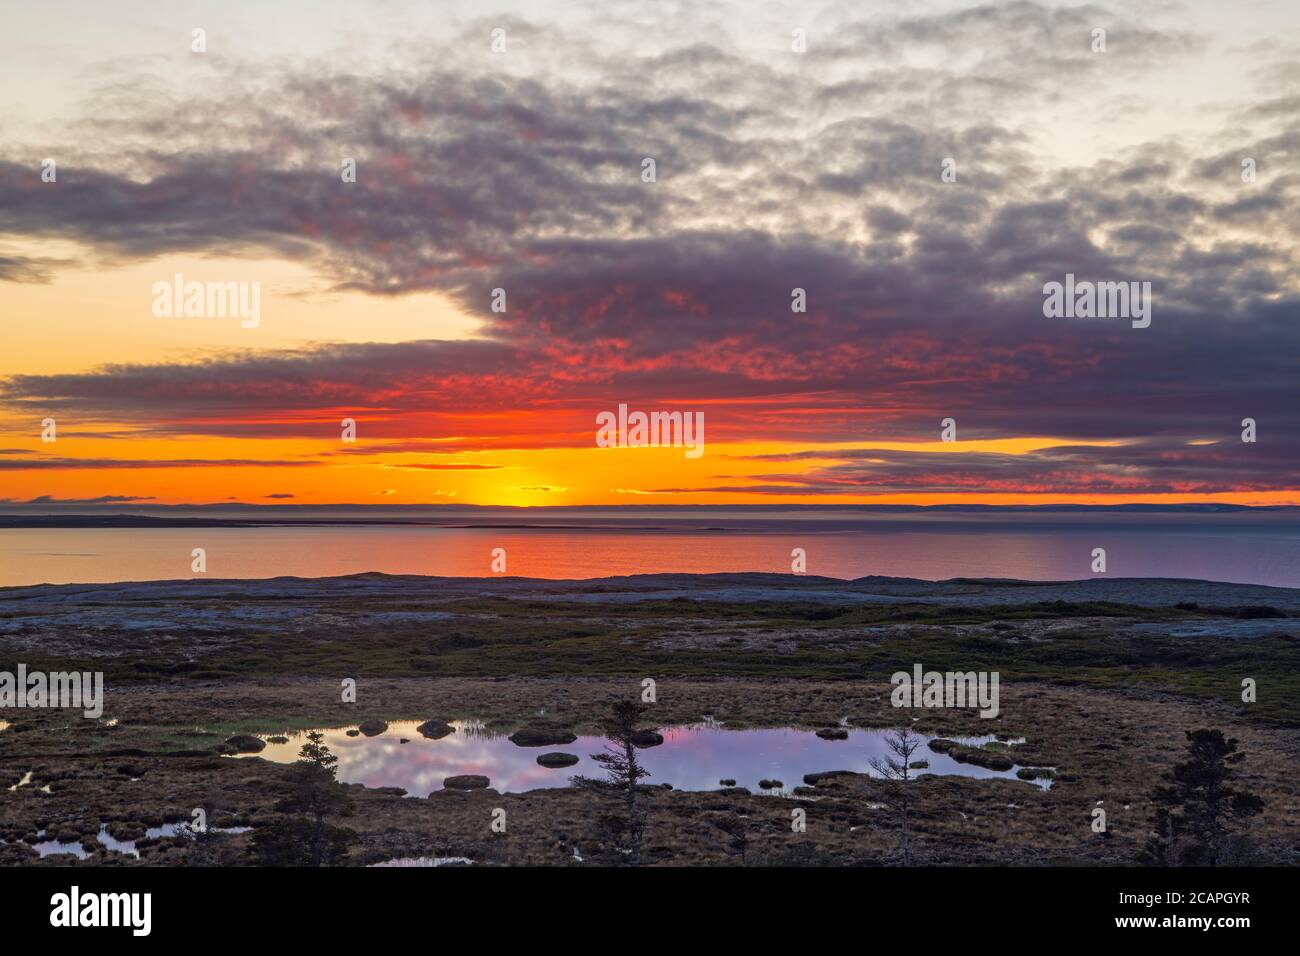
[(26, 269), (50, 464), (443, 466), (924, 297), (1139, 467), (100, 500)]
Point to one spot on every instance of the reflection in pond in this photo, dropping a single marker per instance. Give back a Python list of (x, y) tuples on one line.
[(690, 758)]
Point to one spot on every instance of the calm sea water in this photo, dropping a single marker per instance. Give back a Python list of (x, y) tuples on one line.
[(1253, 549)]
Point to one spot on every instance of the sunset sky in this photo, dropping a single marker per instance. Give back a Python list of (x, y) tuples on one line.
[(775, 170)]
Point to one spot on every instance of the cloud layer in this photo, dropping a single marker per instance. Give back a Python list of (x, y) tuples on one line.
[(774, 172)]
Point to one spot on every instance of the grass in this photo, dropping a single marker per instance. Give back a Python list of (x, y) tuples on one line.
[(1085, 645)]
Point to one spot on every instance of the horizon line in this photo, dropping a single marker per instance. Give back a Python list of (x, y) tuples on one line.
[(127, 507)]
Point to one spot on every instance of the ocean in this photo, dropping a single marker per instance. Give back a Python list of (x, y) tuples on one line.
[(1243, 547)]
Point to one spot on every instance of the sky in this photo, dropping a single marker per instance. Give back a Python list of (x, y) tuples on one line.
[(522, 169)]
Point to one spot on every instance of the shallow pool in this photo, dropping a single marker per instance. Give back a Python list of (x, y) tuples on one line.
[(690, 758)]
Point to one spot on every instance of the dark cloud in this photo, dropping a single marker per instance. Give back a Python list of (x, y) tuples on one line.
[(1145, 467), (51, 464), (445, 466), (25, 269), (100, 500)]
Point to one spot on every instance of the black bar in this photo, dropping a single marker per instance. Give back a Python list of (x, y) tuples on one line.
[(998, 905)]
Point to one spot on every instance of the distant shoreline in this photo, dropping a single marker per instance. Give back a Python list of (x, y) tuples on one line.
[(744, 586)]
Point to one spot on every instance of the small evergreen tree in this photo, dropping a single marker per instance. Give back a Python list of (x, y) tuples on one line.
[(737, 830), (207, 846), (1198, 810), (897, 769), (315, 791), (624, 772), (204, 848)]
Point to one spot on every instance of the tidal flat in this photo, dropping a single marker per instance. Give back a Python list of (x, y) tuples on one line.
[(1099, 681)]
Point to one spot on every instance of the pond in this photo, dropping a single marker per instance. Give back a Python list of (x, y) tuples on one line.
[(426, 861), (690, 758), (54, 847)]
